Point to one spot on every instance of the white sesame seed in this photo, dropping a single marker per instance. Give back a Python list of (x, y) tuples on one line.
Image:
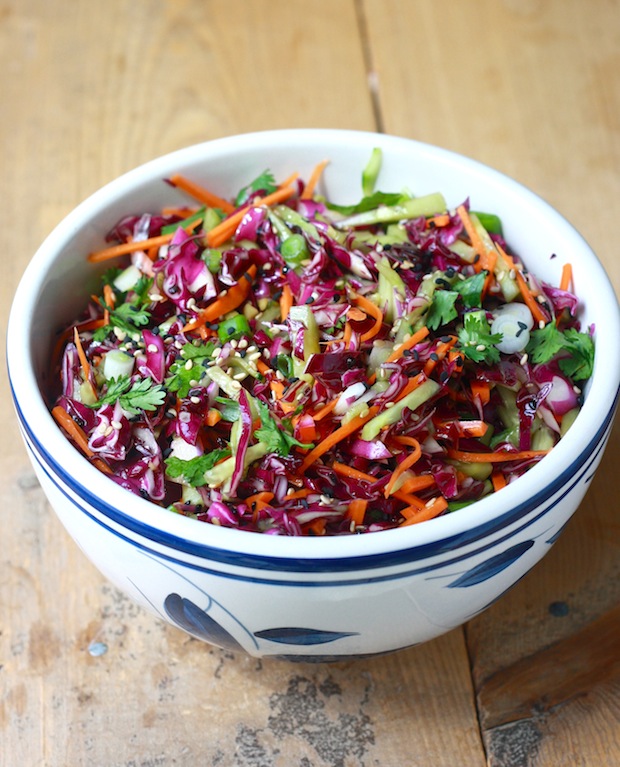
[(267, 267), (195, 400), (389, 404), (234, 343), (541, 324), (193, 383), (116, 425), (325, 500), (243, 343), (480, 348), (178, 344), (189, 365), (512, 273), (540, 298), (577, 390), (523, 359), (229, 371), (108, 430), (255, 356), (235, 385), (279, 375), (240, 376), (152, 348)]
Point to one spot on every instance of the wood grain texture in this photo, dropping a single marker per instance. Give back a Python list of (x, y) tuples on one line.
[(86, 677)]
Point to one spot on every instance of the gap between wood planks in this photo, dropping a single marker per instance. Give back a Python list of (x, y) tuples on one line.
[(371, 72)]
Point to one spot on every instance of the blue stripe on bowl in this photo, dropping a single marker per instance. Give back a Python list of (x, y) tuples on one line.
[(587, 456), (323, 566)]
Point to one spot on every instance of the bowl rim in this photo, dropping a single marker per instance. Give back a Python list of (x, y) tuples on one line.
[(160, 524)]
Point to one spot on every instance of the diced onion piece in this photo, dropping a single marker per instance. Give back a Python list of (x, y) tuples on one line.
[(116, 363)]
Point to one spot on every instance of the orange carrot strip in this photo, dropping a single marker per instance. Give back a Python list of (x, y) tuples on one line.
[(521, 455), (404, 440), (226, 228), (124, 248), (442, 219), (415, 484), (346, 336), (286, 301), (528, 297), (313, 180), (412, 384), (263, 497), (325, 410), (409, 499), (403, 466), (233, 298), (481, 390), (485, 258), (297, 494), (429, 511), (498, 480), (373, 311), (84, 363), (440, 352), (420, 335), (262, 366), (77, 434), (288, 181), (213, 416), (348, 471), (567, 277), (317, 527), (200, 193), (357, 511), (335, 437)]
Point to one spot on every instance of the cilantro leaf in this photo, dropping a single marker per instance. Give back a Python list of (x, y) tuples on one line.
[(230, 409), (471, 288), (442, 309), (193, 470), (274, 436), (580, 364), (180, 376), (265, 183), (476, 340), (545, 343), (133, 397)]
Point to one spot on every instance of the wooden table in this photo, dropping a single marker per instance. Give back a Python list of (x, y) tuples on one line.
[(90, 90)]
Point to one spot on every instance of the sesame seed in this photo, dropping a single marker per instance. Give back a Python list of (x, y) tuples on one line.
[(541, 324), (512, 273), (243, 343), (480, 348), (324, 500), (577, 390), (235, 385), (540, 298), (267, 267), (255, 356), (239, 376), (116, 425), (189, 365), (229, 371), (178, 344), (253, 349), (151, 348), (523, 359), (234, 343), (107, 431), (389, 404), (193, 383)]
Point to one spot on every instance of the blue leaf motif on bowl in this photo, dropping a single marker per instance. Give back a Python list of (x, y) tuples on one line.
[(302, 636), (490, 567), (197, 622)]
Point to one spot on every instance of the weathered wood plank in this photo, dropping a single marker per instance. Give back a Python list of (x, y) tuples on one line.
[(87, 678)]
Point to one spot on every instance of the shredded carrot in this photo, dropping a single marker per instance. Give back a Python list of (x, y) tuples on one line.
[(200, 193), (357, 511), (373, 311), (529, 298), (124, 248), (403, 466), (405, 440), (498, 480), (348, 471), (430, 510), (286, 301), (481, 391), (325, 410), (303, 493), (288, 181), (335, 437), (486, 259), (233, 298), (412, 384), (213, 416), (260, 499), (439, 353), (346, 335), (262, 367), (408, 344), (465, 428), (521, 455), (567, 277), (409, 499), (415, 484), (226, 228), (442, 219), (77, 434), (341, 433), (317, 527), (84, 363), (313, 180)]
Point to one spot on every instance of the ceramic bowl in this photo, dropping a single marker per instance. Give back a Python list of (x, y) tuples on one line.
[(310, 598)]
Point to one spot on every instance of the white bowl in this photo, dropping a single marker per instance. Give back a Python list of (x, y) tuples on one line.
[(310, 598)]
